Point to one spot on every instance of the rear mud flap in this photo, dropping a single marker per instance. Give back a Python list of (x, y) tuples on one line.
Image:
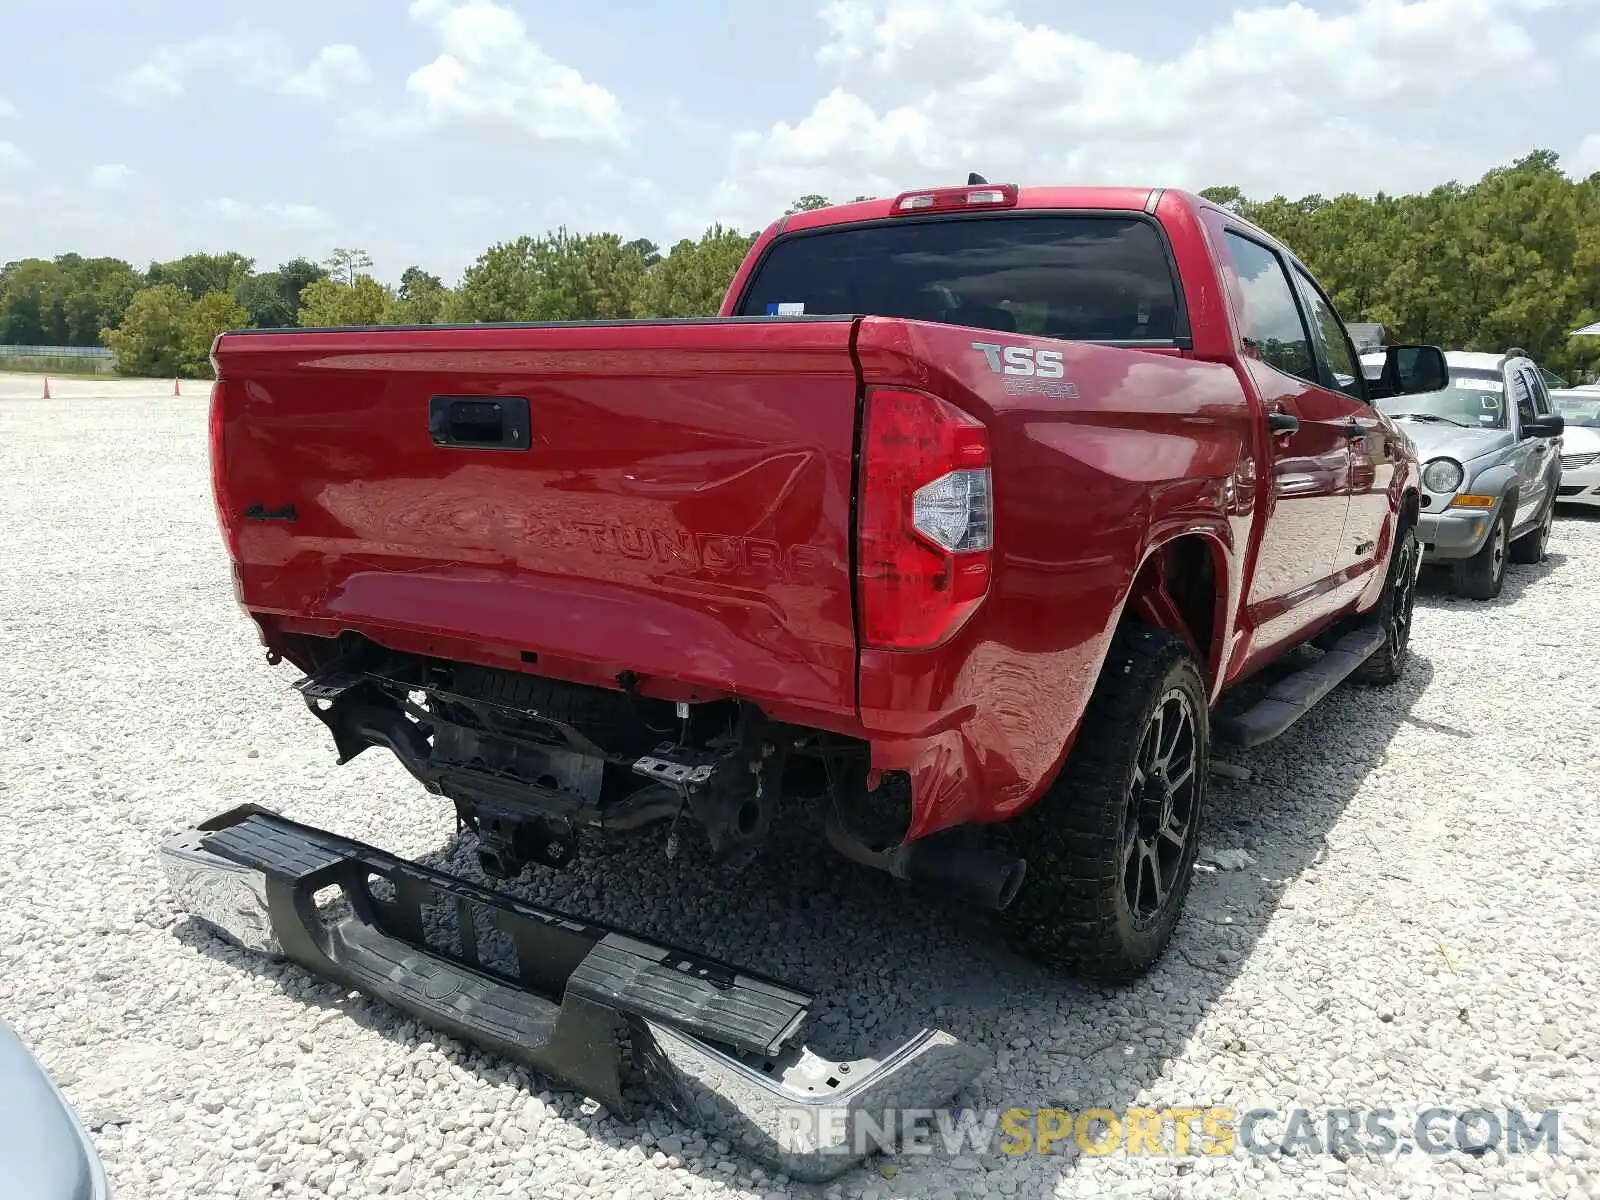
[(574, 1000)]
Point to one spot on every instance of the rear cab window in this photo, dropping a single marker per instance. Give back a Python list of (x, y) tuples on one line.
[(1101, 278)]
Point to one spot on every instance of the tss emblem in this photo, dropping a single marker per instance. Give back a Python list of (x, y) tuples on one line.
[(1022, 360)]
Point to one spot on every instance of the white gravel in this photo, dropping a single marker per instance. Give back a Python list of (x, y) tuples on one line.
[(1412, 923)]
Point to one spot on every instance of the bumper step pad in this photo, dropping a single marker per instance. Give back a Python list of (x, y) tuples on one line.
[(716, 1045)]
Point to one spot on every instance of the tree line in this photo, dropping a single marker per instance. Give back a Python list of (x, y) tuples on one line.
[(1512, 259)]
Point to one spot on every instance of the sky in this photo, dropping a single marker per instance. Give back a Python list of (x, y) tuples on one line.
[(425, 131)]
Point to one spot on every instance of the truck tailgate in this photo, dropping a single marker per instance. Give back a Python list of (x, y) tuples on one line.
[(677, 504)]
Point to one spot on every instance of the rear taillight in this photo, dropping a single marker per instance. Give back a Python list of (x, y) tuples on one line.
[(926, 521), (218, 454)]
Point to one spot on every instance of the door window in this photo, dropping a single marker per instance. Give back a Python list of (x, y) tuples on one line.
[(1330, 337), (1521, 396), (1273, 324), (1541, 398)]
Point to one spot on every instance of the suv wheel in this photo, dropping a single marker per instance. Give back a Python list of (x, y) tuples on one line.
[(1483, 575), (1111, 846), (1530, 547)]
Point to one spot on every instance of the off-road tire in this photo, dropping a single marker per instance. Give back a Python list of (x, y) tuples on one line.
[(1394, 613), (1482, 576), (1073, 912), (1529, 549)]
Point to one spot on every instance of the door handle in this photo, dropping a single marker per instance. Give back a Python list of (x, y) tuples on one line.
[(1283, 422), (480, 422)]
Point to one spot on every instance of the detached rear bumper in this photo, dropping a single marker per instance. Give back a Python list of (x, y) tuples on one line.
[(716, 1045)]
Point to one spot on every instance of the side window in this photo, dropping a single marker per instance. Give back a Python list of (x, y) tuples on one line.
[(1521, 395), (1330, 335), (1272, 320), (1541, 398)]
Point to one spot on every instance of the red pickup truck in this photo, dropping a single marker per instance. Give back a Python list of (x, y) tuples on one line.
[(969, 524), (972, 570)]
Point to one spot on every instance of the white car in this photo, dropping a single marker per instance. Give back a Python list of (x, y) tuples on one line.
[(1580, 445)]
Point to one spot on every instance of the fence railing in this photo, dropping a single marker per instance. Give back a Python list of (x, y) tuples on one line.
[(57, 352), (78, 360)]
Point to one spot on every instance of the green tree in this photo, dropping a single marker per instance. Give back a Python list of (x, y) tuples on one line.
[(345, 264), (273, 299), (807, 203), (328, 303), (561, 277), (263, 300), (648, 251), (1229, 197), (30, 313), (214, 313), (150, 339), (694, 276), (94, 293), (199, 274), (419, 300)]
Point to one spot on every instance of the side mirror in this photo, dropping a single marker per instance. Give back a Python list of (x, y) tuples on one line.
[(1408, 370), (1545, 425)]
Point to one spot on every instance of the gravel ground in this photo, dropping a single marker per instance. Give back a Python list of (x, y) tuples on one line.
[(1414, 926)]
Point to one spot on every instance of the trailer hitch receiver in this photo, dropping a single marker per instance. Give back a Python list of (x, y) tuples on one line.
[(717, 1046)]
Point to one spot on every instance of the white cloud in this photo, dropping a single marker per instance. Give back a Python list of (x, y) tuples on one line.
[(336, 69), (12, 157), (256, 59), (1279, 99), (492, 77), (110, 177), (270, 215), (7, 109)]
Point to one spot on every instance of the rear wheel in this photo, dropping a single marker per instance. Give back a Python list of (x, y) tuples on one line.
[(1111, 846), (1483, 575), (1530, 547)]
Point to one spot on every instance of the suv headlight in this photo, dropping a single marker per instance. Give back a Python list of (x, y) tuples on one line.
[(1442, 475)]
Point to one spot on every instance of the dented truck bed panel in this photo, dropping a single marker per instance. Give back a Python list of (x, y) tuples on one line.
[(718, 1046)]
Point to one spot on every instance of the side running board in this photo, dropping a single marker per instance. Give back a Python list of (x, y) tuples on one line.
[(1293, 696), (717, 1046)]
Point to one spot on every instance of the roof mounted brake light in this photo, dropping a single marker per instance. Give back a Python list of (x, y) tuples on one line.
[(957, 198)]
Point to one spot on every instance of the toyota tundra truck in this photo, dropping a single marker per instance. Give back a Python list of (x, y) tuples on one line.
[(968, 526)]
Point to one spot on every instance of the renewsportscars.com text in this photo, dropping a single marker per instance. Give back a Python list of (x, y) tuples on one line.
[(1177, 1131)]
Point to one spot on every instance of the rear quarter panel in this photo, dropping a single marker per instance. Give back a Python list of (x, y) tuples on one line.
[(1144, 446)]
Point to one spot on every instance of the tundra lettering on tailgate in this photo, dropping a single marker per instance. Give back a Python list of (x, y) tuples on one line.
[(1025, 367)]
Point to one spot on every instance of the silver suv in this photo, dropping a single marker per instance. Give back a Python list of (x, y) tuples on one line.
[(1490, 445)]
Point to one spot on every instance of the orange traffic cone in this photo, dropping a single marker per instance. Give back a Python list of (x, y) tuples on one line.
[(175, 390), (46, 395)]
